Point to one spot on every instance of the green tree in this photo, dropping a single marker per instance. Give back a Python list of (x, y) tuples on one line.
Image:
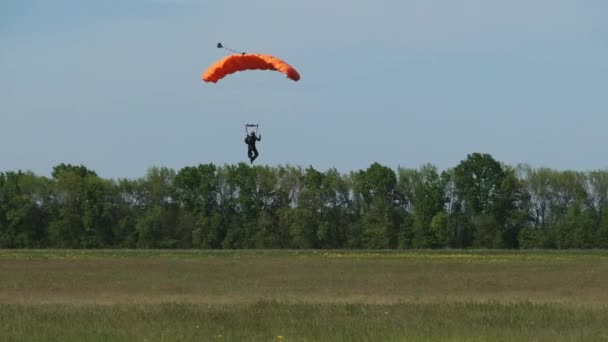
[(156, 223), (268, 232), (536, 183), (72, 221), (573, 230), (23, 216), (602, 233), (424, 190), (130, 206), (459, 224), (321, 211), (243, 222), (512, 209), (197, 191), (597, 184), (478, 183), (375, 190), (440, 230)]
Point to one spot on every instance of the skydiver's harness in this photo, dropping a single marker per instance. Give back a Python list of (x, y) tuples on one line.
[(247, 136)]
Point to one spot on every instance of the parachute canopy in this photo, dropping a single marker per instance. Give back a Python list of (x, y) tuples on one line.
[(248, 61)]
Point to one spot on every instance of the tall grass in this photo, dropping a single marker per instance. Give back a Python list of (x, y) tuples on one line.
[(303, 296), (271, 321)]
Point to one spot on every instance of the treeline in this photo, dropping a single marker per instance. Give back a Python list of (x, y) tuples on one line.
[(480, 203)]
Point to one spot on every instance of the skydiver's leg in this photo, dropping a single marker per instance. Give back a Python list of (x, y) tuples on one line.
[(255, 154)]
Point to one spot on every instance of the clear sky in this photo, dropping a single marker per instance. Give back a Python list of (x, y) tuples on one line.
[(116, 85)]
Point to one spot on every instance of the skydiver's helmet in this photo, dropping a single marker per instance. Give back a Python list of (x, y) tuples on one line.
[(253, 134)]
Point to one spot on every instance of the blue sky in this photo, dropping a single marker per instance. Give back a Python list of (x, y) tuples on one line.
[(116, 85)]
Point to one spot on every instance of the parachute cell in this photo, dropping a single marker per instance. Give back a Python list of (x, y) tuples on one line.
[(248, 61)]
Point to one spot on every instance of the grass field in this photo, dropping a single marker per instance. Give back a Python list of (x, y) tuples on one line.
[(303, 295)]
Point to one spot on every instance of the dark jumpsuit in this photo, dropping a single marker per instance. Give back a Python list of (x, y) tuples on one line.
[(252, 152)]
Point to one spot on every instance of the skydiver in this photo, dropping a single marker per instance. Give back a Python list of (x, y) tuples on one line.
[(250, 140)]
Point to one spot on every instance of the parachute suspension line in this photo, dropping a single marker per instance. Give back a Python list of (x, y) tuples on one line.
[(220, 46)]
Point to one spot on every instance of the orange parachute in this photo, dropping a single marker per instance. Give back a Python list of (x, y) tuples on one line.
[(247, 61)]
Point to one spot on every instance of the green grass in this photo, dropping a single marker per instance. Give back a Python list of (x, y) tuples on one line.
[(303, 295), (302, 322)]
